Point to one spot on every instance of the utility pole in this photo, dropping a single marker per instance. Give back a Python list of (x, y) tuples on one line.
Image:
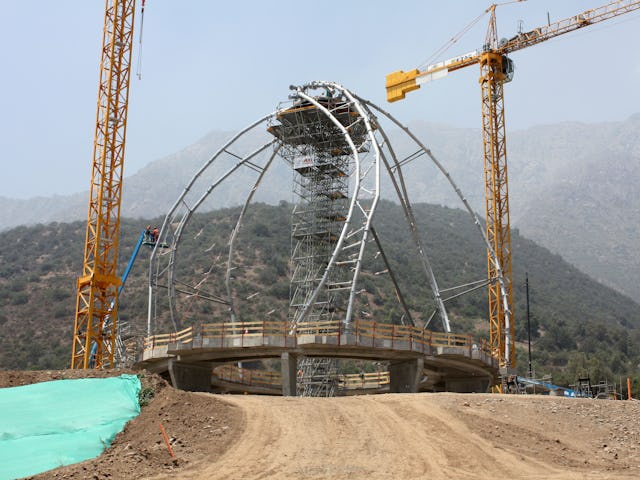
[(526, 285)]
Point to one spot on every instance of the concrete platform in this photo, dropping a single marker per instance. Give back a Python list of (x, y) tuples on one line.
[(415, 365)]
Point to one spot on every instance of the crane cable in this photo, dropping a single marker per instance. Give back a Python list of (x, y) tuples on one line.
[(436, 55), (139, 66), (451, 42)]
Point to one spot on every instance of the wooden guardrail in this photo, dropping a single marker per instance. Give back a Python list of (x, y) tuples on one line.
[(273, 379), (354, 381), (325, 327), (366, 332), (183, 336), (245, 376), (242, 329)]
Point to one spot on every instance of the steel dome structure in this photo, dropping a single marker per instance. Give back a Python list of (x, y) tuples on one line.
[(337, 151)]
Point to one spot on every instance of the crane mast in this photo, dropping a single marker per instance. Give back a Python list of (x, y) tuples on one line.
[(495, 70), (96, 315)]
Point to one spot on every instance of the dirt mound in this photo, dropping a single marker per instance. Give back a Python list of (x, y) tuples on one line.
[(198, 428), (16, 378), (404, 436)]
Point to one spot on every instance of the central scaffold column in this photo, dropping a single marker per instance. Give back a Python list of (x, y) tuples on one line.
[(320, 154), (321, 188)]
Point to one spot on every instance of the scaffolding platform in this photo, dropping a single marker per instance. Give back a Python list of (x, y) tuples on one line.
[(304, 124), (310, 167)]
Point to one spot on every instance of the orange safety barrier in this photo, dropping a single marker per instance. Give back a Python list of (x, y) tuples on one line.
[(183, 336)]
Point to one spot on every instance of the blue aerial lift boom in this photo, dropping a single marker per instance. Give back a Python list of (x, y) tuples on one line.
[(566, 392), (144, 239)]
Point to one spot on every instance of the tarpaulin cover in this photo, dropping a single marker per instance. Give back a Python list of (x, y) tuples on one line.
[(49, 424)]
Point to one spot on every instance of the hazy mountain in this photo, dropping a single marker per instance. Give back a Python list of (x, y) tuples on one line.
[(571, 186)]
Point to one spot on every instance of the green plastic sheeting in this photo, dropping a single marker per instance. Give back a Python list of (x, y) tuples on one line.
[(50, 424)]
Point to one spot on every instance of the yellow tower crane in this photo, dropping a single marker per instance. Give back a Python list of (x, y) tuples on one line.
[(495, 70), (96, 318)]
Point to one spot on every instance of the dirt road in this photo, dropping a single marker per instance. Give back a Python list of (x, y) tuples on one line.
[(393, 436), (434, 436)]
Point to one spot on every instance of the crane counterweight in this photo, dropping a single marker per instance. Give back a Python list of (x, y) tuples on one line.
[(400, 83)]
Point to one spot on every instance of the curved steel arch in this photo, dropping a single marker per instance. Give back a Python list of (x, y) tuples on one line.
[(163, 263), (500, 278), (359, 194)]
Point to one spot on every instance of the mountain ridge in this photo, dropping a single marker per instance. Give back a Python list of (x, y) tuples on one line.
[(561, 177)]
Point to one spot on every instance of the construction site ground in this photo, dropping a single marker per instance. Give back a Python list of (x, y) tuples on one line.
[(390, 436)]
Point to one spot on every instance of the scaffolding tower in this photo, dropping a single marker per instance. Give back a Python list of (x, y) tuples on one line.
[(320, 155), (318, 377)]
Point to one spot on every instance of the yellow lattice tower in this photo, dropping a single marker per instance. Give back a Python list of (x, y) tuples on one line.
[(97, 300)]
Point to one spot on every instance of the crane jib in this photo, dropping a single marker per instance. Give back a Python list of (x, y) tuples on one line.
[(441, 69)]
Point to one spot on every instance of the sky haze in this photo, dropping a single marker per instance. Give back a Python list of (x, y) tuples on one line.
[(221, 65)]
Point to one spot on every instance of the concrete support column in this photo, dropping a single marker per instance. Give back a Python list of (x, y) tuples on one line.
[(289, 371), (190, 377), (405, 376)]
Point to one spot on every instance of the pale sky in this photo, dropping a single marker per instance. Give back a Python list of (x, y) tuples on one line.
[(213, 65)]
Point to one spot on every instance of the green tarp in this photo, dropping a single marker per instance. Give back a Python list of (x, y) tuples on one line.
[(49, 424)]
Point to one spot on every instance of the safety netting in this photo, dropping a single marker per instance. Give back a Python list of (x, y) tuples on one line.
[(51, 424)]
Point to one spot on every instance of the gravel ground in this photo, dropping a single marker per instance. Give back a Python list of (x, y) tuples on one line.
[(435, 436)]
